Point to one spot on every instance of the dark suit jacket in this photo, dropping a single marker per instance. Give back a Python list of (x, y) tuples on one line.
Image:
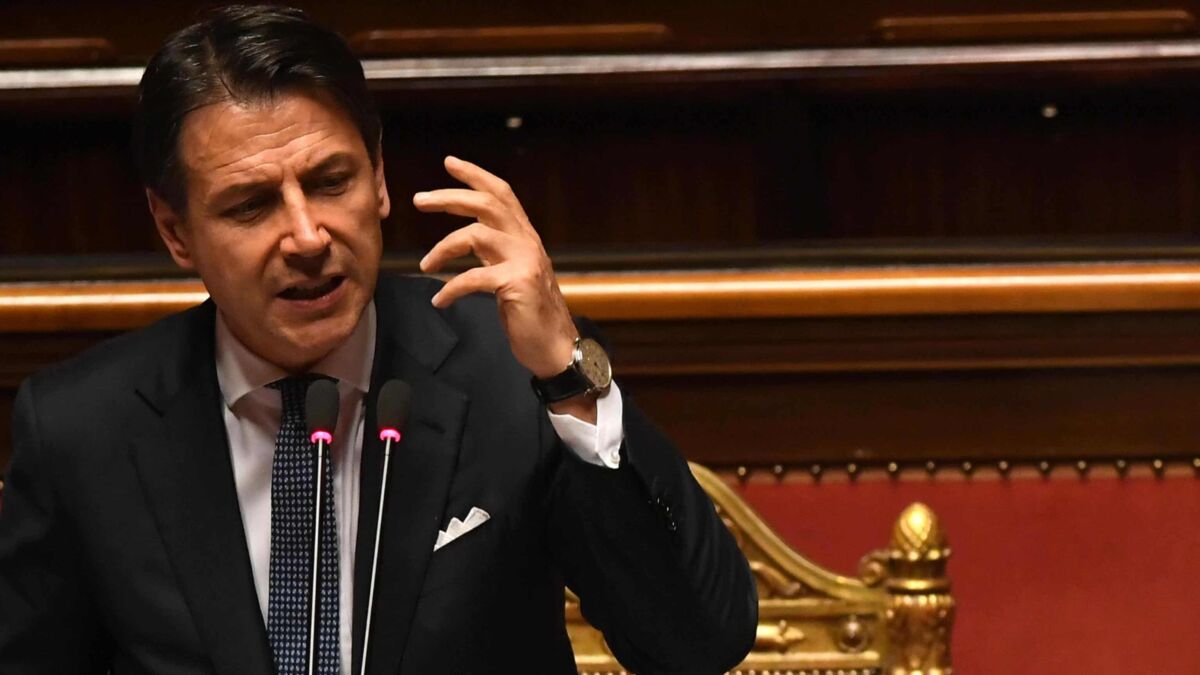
[(122, 546)]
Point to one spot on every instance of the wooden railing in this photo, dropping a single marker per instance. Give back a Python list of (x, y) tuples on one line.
[(650, 296)]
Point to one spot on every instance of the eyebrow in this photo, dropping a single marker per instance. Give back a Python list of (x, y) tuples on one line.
[(253, 185)]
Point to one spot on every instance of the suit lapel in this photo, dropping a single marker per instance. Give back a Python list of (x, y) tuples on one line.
[(187, 475), (411, 343)]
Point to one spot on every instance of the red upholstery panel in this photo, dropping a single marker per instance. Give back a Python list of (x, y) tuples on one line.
[(1064, 576)]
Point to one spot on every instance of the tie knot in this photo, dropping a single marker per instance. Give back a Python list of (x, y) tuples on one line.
[(293, 390)]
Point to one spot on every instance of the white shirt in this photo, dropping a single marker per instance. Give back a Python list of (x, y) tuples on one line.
[(252, 414)]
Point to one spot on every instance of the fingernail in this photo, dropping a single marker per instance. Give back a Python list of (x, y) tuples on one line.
[(452, 158), (435, 299), (423, 263)]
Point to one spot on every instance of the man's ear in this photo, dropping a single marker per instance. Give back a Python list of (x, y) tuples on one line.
[(381, 193), (170, 228)]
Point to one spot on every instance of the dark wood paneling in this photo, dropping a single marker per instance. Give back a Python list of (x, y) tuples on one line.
[(878, 389), (897, 155), (702, 24), (913, 417), (56, 52), (1021, 388), (882, 344), (727, 419), (1016, 26), (651, 171), (68, 186), (656, 153)]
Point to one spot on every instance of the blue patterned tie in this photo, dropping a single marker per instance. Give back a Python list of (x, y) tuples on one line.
[(292, 511)]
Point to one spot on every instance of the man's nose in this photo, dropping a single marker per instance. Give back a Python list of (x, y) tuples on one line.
[(306, 236)]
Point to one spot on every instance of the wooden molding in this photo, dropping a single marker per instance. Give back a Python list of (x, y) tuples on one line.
[(902, 291), (99, 306), (649, 296), (1035, 26), (1131, 57), (56, 52), (509, 39)]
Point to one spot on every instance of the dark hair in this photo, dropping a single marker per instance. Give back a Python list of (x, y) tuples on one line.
[(240, 53)]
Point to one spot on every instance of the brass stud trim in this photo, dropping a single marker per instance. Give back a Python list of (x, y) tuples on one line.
[(1082, 467)]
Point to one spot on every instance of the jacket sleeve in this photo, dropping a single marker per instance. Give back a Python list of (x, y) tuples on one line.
[(47, 622), (655, 569)]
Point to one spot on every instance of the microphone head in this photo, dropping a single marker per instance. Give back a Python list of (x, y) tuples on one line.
[(321, 409), (392, 408)]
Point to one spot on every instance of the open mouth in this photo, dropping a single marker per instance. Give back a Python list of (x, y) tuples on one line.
[(312, 292)]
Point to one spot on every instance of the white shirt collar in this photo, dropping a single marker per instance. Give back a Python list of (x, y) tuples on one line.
[(241, 371)]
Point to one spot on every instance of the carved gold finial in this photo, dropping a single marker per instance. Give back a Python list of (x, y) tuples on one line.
[(918, 532), (917, 558), (920, 614)]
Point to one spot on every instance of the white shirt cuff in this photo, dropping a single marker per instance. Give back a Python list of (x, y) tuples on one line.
[(598, 443)]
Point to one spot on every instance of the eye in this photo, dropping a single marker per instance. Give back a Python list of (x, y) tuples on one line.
[(333, 183), (248, 210)]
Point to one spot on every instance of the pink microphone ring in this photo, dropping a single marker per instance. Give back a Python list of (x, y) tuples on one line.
[(388, 434), (319, 435)]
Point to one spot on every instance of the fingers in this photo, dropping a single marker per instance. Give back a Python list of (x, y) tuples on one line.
[(474, 280), (481, 206), (484, 181), (480, 179), (516, 268), (490, 245), (503, 232)]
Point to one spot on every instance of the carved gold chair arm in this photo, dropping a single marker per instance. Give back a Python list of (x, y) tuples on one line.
[(895, 619)]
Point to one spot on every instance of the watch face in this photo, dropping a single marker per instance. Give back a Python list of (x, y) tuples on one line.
[(594, 363)]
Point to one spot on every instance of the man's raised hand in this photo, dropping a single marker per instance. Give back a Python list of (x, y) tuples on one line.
[(515, 267)]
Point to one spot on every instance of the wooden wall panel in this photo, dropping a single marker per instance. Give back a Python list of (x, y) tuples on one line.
[(975, 147), (68, 187), (909, 418), (1074, 368), (704, 24), (653, 173), (1035, 165), (795, 419)]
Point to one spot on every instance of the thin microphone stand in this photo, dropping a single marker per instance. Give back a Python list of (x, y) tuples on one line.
[(321, 438), (390, 435)]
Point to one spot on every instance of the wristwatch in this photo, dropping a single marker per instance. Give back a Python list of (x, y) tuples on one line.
[(588, 372)]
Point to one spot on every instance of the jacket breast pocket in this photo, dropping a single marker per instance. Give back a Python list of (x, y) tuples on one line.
[(465, 562)]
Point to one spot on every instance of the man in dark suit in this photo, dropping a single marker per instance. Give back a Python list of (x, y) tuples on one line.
[(153, 479)]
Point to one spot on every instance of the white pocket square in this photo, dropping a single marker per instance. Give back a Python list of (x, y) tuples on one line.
[(458, 528)]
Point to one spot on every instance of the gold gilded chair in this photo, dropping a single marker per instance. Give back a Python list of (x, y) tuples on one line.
[(895, 619)]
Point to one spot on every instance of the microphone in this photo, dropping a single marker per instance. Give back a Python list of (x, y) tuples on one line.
[(321, 413), (321, 410), (391, 411)]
